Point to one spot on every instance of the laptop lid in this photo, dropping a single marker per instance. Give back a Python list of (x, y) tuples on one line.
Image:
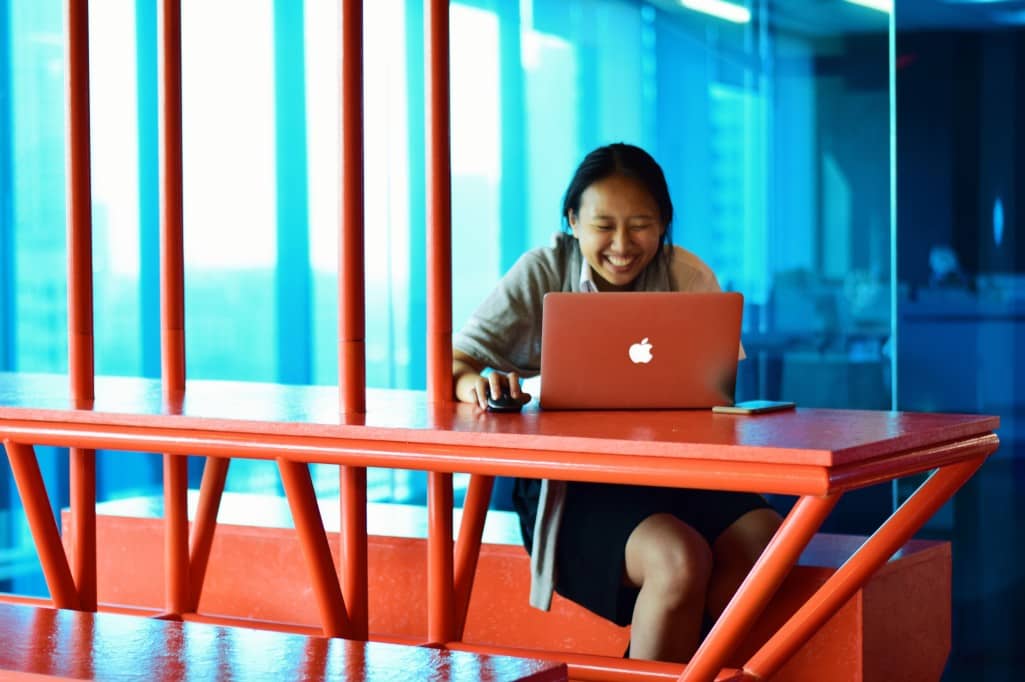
[(625, 350)]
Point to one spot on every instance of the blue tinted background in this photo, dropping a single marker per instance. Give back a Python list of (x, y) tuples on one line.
[(782, 140)]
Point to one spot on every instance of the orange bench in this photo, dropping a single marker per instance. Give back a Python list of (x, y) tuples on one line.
[(257, 573), (62, 644)]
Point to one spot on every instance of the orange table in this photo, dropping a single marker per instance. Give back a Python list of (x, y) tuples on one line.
[(814, 454)]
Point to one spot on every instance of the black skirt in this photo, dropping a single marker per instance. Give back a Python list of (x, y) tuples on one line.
[(597, 521)]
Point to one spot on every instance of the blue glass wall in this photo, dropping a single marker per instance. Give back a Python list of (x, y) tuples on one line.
[(774, 134), (961, 293)]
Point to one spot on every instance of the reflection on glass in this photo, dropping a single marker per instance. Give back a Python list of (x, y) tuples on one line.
[(960, 176)]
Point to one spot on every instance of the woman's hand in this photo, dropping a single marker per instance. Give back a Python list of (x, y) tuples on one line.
[(470, 386)]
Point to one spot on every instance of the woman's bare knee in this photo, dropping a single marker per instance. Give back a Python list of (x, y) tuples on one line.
[(667, 555)]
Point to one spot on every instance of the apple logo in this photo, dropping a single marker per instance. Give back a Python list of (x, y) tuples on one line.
[(640, 352)]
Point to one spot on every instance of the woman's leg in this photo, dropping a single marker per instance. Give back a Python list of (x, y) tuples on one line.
[(671, 564), (735, 551)]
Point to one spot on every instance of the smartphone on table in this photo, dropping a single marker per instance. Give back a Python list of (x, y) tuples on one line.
[(754, 407)]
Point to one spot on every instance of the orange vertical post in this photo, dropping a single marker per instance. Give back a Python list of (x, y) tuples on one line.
[(352, 316), (441, 622), (351, 294), (439, 204), (354, 549), (82, 463), (441, 618), (172, 307)]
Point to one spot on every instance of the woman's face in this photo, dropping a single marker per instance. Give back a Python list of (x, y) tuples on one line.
[(618, 228)]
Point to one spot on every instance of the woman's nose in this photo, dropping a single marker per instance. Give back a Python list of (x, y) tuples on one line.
[(621, 237)]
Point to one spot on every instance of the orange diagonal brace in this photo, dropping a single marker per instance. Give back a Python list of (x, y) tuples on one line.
[(876, 551), (34, 498), (754, 593), (310, 527), (471, 527), (215, 473)]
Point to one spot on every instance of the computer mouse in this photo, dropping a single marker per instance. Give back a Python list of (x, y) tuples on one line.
[(502, 403)]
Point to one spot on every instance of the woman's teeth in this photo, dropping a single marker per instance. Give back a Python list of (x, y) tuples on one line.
[(618, 262)]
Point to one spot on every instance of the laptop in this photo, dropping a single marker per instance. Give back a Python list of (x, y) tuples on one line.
[(629, 350)]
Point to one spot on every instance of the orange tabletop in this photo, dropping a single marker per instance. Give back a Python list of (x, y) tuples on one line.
[(809, 451)]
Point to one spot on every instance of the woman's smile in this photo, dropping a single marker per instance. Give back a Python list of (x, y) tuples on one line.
[(620, 264)]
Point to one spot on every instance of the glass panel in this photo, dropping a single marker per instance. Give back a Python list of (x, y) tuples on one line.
[(961, 291), (229, 189), (35, 234), (37, 120)]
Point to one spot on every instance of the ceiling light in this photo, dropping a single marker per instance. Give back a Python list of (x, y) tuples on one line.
[(881, 5), (717, 8)]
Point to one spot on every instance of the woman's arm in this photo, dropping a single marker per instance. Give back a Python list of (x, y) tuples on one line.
[(469, 385)]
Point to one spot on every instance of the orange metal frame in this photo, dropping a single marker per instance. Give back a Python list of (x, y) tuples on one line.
[(451, 564), (819, 487)]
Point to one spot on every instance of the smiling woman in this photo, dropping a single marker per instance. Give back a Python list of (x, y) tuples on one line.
[(659, 559)]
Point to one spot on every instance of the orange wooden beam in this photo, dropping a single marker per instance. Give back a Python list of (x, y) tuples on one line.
[(354, 549), (471, 529), (82, 463), (439, 203), (441, 618), (172, 302), (302, 500), (215, 474), (351, 294), (36, 502)]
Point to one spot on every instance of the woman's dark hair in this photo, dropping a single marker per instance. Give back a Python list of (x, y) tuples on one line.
[(626, 160)]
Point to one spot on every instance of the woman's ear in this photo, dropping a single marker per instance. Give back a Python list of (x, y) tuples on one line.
[(572, 217)]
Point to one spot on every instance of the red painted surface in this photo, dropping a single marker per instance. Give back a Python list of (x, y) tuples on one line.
[(439, 201), (215, 474), (351, 287), (52, 557), (106, 646), (172, 258), (906, 601), (815, 437), (82, 470)]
